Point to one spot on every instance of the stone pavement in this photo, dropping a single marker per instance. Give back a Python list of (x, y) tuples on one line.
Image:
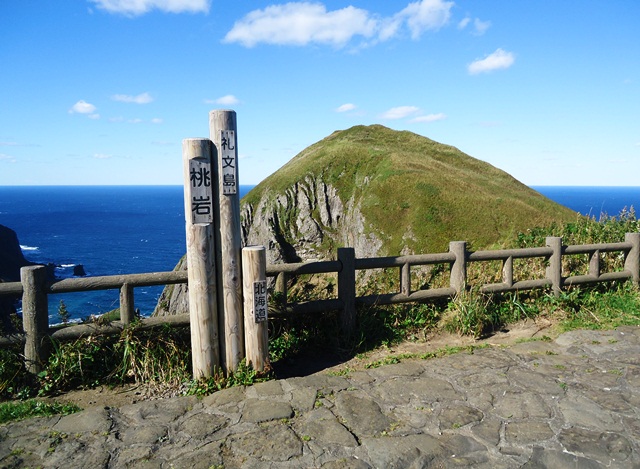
[(570, 403)]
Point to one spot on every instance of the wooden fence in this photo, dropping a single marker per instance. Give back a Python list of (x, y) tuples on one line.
[(34, 287)]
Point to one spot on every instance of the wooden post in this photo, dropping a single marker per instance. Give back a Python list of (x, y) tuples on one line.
[(507, 271), (281, 288), (554, 268), (632, 259), (126, 304), (198, 207), (256, 329), (35, 315), (594, 263), (347, 289), (223, 132), (458, 275), (405, 279)]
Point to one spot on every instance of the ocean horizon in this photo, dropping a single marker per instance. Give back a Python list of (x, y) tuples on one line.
[(112, 230)]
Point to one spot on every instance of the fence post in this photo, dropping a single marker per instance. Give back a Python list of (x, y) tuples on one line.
[(126, 304), (223, 133), (281, 288), (507, 271), (405, 279), (35, 315), (201, 272), (256, 326), (632, 260), (554, 267), (458, 275), (347, 289)]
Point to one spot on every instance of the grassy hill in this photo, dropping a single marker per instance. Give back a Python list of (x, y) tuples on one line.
[(414, 193)]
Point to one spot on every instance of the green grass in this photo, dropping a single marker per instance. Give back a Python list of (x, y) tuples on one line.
[(400, 180), (18, 410), (163, 356)]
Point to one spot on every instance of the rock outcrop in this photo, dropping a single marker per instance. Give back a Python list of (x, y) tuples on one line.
[(11, 260), (384, 193), (11, 257), (306, 222)]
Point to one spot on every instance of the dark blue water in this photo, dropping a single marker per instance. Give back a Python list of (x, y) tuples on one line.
[(123, 230), (108, 229), (593, 201)]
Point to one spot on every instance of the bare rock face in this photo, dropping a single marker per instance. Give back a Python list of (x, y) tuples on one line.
[(11, 260), (305, 222)]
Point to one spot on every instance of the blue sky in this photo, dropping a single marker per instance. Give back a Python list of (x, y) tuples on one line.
[(104, 91)]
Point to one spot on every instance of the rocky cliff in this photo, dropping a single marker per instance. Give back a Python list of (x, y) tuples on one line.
[(11, 260), (385, 192)]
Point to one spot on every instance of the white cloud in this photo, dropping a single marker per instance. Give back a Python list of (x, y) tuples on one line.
[(227, 100), (140, 7), (400, 112), (425, 15), (430, 118), (101, 156), (302, 23), (481, 26), (346, 107), (500, 59), (464, 23), (157, 120), (143, 98), (135, 121), (94, 116), (7, 158), (82, 107)]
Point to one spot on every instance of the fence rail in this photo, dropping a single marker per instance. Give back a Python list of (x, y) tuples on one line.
[(34, 290)]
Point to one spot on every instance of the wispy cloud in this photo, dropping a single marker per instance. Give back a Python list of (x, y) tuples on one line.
[(500, 59), (400, 112), (303, 23), (157, 120), (83, 107), (346, 107), (479, 26), (143, 98), (140, 7), (430, 118), (227, 100), (102, 156), (7, 158), (464, 22)]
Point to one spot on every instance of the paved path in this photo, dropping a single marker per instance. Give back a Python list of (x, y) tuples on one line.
[(571, 403)]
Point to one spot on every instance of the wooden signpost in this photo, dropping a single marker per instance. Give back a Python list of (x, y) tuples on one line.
[(200, 230), (254, 266), (223, 133), (215, 256)]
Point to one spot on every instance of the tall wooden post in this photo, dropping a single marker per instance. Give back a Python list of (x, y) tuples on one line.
[(223, 132), (554, 266), (35, 315), (198, 208), (254, 281)]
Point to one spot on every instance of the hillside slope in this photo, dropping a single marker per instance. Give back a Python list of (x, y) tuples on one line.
[(386, 192), (382, 192)]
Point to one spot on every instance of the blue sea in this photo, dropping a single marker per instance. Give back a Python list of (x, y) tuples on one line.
[(107, 229), (134, 229)]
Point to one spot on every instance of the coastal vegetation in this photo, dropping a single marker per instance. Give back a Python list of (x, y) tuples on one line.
[(161, 358)]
